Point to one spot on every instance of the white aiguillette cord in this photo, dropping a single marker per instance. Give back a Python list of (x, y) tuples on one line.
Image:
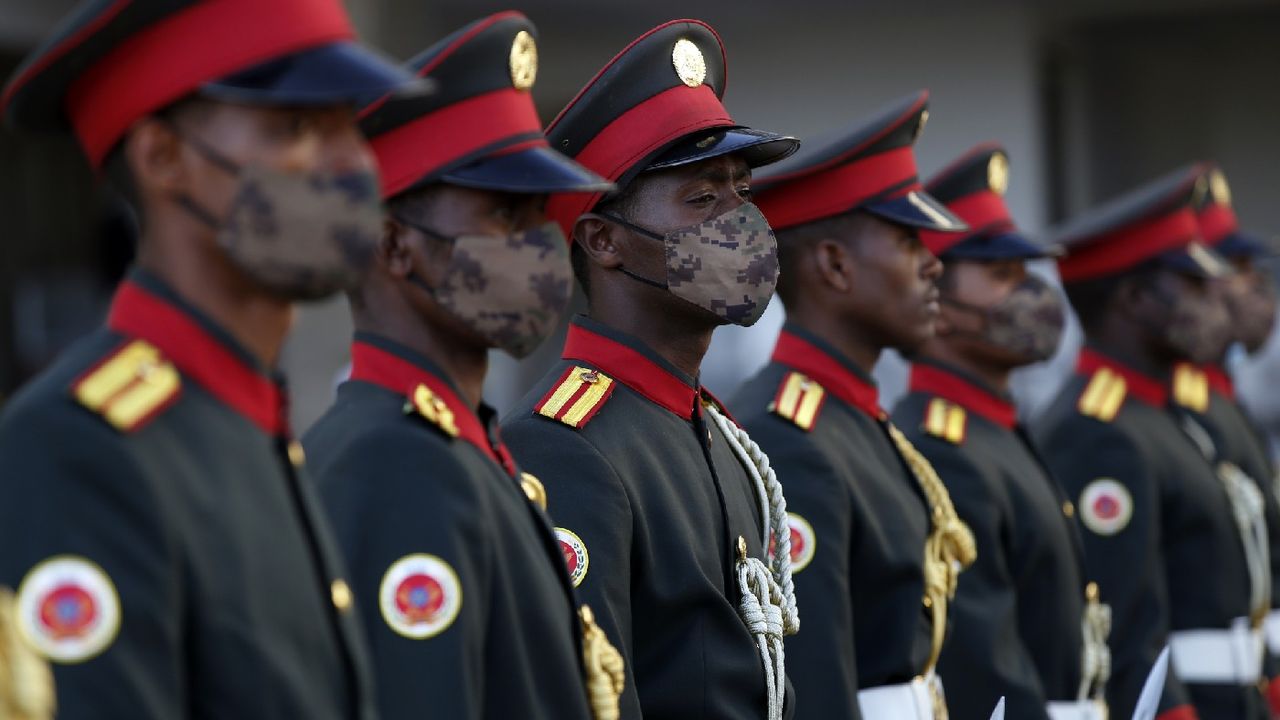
[(768, 605)]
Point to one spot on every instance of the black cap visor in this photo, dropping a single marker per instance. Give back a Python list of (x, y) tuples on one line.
[(1001, 246), (757, 147), (1196, 260), (916, 209), (532, 170), (334, 74), (1245, 245)]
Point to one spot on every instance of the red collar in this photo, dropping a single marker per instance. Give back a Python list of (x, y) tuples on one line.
[(946, 384), (1220, 381), (631, 367), (1143, 387), (396, 372), (213, 363), (809, 355)]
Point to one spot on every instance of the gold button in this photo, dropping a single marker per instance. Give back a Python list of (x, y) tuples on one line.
[(928, 601), (341, 593), (1069, 509), (1091, 591), (534, 490), (297, 455)]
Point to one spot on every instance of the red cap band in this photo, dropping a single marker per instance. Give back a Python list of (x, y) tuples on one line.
[(200, 44), (1217, 222), (632, 136), (839, 189), (1129, 246), (413, 150), (984, 212)]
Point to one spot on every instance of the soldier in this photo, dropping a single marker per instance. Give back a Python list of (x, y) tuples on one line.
[(876, 545), (169, 555), (459, 579), (1207, 392), (1177, 549), (666, 509), (1019, 611)]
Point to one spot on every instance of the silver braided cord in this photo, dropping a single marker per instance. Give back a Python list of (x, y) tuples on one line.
[(1095, 625), (768, 605), (1248, 507)]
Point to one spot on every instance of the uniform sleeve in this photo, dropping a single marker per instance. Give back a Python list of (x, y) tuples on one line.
[(984, 657), (83, 526), (592, 514), (420, 560), (820, 658), (1122, 544)]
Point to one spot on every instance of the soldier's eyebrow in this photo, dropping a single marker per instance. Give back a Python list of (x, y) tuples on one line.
[(718, 174)]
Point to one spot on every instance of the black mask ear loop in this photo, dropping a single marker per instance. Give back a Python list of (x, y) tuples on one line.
[(213, 157), (645, 232), (413, 277)]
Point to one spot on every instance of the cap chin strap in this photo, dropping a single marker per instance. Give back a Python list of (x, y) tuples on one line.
[(768, 605)]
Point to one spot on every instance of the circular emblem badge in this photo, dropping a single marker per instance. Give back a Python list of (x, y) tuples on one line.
[(420, 596), (690, 66), (68, 609), (524, 61), (575, 555), (1105, 506), (803, 542)]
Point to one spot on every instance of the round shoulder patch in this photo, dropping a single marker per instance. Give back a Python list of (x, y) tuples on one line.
[(804, 543), (1106, 506), (68, 609), (419, 596), (575, 554)]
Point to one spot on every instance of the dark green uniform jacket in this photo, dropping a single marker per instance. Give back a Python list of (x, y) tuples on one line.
[(172, 558), (457, 574), (650, 502), (1159, 534), (859, 522), (1017, 613)]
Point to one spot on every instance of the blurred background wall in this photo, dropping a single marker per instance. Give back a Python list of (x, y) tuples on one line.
[(1090, 98)]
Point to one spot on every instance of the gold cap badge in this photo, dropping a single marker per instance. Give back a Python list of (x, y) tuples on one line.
[(1218, 188), (524, 60), (689, 63), (998, 173)]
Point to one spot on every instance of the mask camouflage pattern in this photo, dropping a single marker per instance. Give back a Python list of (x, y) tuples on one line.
[(303, 235), (511, 290), (727, 265), (1028, 322)]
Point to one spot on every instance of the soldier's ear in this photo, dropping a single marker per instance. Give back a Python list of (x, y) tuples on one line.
[(598, 239), (153, 153), (833, 264), (394, 253)]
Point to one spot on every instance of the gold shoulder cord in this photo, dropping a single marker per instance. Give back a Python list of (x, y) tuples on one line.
[(950, 547), (604, 668), (26, 682)]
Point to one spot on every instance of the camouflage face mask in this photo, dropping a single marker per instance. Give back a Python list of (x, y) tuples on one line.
[(1028, 322), (511, 290), (300, 235), (728, 265)]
